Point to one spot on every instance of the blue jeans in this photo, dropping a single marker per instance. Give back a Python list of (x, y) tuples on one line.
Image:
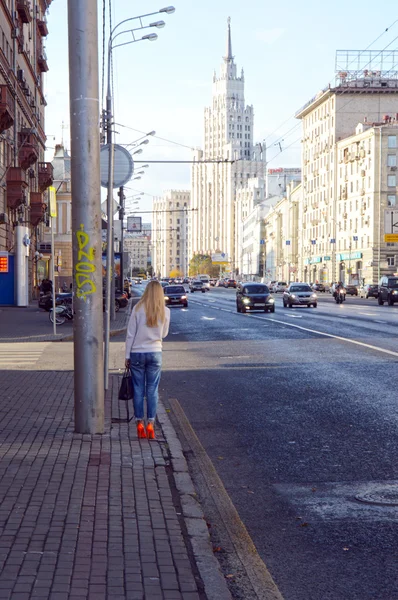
[(145, 371)]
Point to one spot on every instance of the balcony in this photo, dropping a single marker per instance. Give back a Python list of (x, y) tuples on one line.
[(6, 108), (42, 62), (28, 148), (42, 27), (37, 208), (46, 177), (23, 10), (16, 186)]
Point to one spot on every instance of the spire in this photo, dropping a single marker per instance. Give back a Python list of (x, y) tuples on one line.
[(229, 57)]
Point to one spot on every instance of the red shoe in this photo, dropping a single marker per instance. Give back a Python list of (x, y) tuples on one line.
[(141, 430), (150, 432)]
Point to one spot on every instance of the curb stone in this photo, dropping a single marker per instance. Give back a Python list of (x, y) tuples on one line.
[(213, 580)]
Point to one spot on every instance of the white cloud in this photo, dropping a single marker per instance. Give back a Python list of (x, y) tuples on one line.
[(269, 36)]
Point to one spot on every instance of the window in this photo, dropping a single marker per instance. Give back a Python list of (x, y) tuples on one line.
[(391, 200), (392, 160), (392, 141), (390, 260), (391, 180)]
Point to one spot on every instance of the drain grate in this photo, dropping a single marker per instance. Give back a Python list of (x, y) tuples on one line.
[(386, 495)]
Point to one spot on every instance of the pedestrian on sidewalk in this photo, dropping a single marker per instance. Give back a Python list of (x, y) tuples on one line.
[(148, 325)]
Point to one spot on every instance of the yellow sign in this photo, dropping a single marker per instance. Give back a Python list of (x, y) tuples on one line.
[(391, 237), (52, 201)]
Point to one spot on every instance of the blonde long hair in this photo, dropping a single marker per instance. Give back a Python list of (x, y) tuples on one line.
[(153, 302)]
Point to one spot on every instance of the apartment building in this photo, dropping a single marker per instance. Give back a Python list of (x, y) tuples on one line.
[(23, 173), (170, 232), (228, 160), (138, 247), (328, 120)]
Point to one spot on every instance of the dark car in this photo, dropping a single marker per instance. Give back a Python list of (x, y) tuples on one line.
[(300, 294), (46, 300), (197, 286), (387, 290), (174, 295), (231, 283), (351, 290), (254, 296), (370, 290)]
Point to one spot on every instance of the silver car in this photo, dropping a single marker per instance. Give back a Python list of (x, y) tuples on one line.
[(299, 294)]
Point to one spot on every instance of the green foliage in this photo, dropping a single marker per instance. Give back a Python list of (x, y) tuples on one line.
[(201, 264)]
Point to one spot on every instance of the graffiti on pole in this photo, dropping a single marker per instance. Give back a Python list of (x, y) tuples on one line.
[(85, 267)]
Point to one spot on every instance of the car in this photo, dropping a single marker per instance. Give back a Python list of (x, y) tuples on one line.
[(252, 296), (213, 282), (299, 294), (319, 287), (230, 283), (387, 290), (175, 295), (370, 290), (351, 290), (279, 286), (197, 286)]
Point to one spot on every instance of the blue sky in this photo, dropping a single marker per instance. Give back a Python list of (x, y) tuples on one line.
[(287, 51)]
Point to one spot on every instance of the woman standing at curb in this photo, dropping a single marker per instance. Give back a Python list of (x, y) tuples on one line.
[(148, 325)]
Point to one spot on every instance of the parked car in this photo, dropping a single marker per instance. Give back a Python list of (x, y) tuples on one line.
[(213, 282), (279, 286), (319, 287), (351, 290), (175, 295), (387, 290), (299, 294), (370, 290), (254, 296), (197, 286)]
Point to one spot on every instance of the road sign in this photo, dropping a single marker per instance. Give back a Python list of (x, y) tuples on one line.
[(287, 242), (134, 224), (391, 220), (123, 166), (391, 237), (219, 258)]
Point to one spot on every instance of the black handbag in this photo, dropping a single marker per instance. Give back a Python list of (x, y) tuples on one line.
[(126, 391)]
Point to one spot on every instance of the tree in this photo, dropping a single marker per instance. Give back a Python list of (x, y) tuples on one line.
[(176, 273), (201, 264)]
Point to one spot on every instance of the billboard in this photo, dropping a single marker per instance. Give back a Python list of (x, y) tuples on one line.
[(134, 224), (219, 258)]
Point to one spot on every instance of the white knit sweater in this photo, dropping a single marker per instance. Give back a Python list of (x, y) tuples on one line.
[(140, 337)]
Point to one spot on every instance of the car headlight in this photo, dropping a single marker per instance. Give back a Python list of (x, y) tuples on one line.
[(166, 298), (271, 300), (313, 296), (292, 295), (246, 300), (395, 292), (183, 297)]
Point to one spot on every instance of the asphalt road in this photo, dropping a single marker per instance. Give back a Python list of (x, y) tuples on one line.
[(302, 428)]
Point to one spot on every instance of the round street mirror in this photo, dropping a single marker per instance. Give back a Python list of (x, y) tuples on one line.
[(123, 166)]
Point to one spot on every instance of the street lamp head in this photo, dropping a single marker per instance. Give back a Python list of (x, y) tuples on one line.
[(136, 178), (168, 10), (151, 37), (144, 167), (158, 24), (144, 142), (152, 133), (139, 151)]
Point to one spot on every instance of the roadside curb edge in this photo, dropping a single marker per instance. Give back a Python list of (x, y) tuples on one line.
[(213, 580)]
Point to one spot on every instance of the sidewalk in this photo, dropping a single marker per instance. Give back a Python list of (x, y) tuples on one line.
[(94, 517), (31, 324)]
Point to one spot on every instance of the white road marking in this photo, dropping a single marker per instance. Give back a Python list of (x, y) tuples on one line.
[(295, 316), (208, 318), (21, 355), (382, 322)]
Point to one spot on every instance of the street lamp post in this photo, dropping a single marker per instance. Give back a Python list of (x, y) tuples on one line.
[(110, 279)]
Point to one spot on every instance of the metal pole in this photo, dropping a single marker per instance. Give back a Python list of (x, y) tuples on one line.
[(121, 217), (379, 232), (86, 216), (110, 231), (52, 219)]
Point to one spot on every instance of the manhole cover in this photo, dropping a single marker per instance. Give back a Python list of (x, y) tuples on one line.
[(383, 496)]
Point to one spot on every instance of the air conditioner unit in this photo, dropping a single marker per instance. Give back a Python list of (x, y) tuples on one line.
[(393, 168), (4, 220)]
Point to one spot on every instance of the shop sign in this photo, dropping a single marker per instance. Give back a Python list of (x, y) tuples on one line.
[(326, 258), (3, 262), (349, 256)]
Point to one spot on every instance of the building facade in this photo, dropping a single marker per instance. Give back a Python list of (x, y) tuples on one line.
[(171, 218), (24, 175), (336, 238), (228, 160), (138, 247)]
